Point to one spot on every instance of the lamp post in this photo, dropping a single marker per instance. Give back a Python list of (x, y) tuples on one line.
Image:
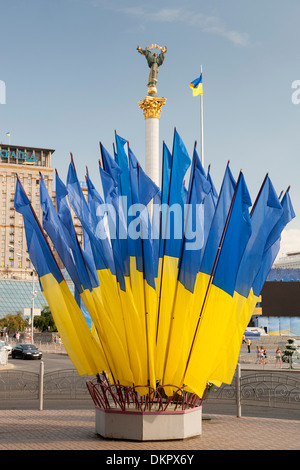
[(33, 293)]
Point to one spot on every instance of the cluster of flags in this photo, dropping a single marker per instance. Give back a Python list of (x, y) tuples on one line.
[(159, 296)]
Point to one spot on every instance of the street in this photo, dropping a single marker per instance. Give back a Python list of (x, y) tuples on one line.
[(51, 362)]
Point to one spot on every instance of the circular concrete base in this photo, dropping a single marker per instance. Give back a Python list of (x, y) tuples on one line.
[(149, 426)]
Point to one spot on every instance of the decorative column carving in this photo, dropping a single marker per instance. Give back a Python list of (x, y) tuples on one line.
[(151, 106)]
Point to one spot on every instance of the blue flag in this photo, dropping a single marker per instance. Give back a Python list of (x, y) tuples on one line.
[(86, 265), (218, 222), (39, 251), (164, 199), (53, 227), (265, 215), (272, 245), (193, 247), (237, 233), (122, 161), (117, 226), (177, 198), (110, 166), (100, 248), (146, 191)]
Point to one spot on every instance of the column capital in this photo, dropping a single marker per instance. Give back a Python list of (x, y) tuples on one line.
[(151, 106)]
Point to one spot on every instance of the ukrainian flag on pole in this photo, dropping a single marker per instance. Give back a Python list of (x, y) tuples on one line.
[(197, 86)]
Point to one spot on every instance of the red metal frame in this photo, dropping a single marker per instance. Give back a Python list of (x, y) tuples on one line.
[(124, 398)]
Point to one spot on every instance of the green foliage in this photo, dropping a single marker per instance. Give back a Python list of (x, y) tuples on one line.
[(45, 322), (290, 354), (14, 322), (290, 347)]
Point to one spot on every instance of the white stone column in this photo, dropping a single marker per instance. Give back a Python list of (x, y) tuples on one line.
[(151, 107), (152, 149)]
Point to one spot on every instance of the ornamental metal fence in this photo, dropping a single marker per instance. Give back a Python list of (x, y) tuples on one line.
[(21, 386), (277, 389)]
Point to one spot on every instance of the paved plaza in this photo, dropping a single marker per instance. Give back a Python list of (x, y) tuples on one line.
[(75, 430)]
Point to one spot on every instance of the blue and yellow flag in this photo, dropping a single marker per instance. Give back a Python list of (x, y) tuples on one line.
[(84, 351), (185, 297), (215, 308), (197, 86), (265, 214), (169, 310), (54, 228), (171, 245)]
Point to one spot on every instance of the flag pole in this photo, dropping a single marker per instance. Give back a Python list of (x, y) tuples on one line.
[(201, 123)]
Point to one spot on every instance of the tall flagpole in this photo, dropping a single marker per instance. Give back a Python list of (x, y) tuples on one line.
[(201, 122)]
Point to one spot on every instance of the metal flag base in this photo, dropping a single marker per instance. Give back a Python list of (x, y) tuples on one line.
[(122, 413)]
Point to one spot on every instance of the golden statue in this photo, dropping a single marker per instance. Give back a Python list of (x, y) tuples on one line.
[(154, 61)]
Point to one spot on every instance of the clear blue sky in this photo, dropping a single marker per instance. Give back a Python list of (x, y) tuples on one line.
[(73, 76)]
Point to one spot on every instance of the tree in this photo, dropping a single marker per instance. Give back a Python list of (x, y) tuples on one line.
[(14, 322), (45, 321), (290, 351)]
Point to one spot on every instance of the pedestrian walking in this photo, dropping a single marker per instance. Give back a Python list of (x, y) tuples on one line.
[(262, 355), (257, 354), (278, 357), (249, 345)]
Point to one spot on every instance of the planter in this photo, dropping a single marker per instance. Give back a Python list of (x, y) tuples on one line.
[(122, 413), (148, 426)]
